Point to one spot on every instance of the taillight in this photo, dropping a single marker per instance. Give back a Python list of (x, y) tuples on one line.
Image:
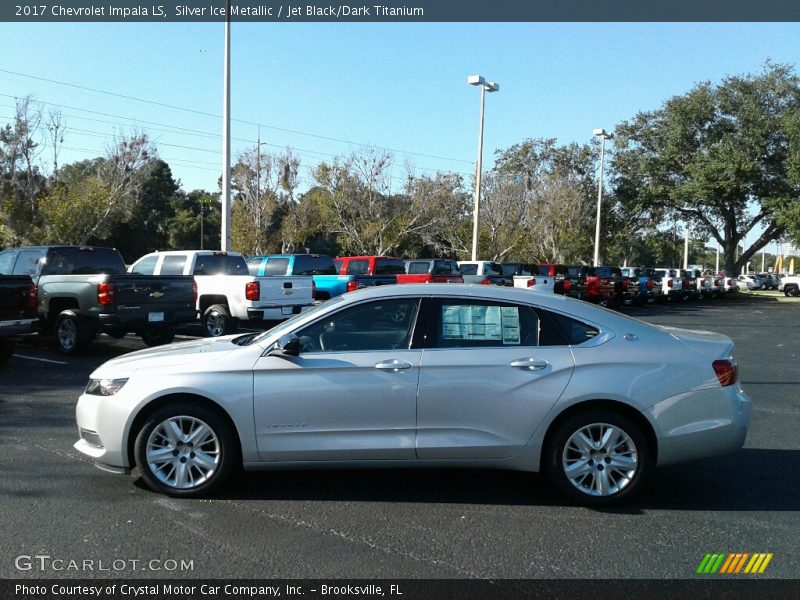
[(624, 284), (252, 291), (352, 286), (730, 282), (567, 285), (685, 284), (531, 282), (718, 282), (486, 282), (669, 283), (105, 293), (194, 292), (33, 296), (727, 371), (649, 284), (313, 289)]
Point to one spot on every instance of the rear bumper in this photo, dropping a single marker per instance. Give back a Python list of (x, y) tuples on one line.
[(276, 313), (701, 424), (17, 327), (147, 319)]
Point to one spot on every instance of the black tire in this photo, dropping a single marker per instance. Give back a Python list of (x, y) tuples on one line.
[(791, 290), (556, 454), (6, 350), (158, 337), (224, 450), (217, 321), (72, 335)]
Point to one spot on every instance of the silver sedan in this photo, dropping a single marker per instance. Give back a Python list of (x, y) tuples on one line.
[(425, 375)]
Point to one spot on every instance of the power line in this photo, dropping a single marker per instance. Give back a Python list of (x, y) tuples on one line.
[(203, 113)]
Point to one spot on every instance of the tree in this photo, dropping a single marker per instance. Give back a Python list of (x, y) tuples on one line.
[(722, 157)]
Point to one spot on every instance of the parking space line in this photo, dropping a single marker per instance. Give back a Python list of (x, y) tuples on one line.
[(47, 360)]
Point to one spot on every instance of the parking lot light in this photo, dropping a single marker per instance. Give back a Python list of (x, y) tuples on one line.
[(604, 135), (486, 86)]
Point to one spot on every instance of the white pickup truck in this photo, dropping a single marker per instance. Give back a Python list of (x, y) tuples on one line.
[(672, 284), (226, 292), (790, 285)]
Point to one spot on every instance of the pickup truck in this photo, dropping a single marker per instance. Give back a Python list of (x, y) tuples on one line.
[(672, 284), (17, 309), (643, 286), (602, 285), (480, 271), (790, 285), (83, 291), (431, 270), (320, 267), (367, 271), (226, 292)]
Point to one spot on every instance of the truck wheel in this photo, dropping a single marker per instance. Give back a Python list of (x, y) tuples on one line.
[(6, 350), (71, 334), (791, 290), (217, 321), (158, 337)]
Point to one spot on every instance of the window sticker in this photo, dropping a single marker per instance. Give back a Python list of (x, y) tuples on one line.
[(483, 323)]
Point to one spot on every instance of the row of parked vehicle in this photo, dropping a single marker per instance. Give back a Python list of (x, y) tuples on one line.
[(76, 293)]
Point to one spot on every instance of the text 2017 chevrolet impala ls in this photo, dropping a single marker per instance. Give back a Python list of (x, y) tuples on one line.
[(426, 375)]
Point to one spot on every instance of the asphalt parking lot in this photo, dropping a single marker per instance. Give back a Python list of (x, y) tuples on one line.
[(401, 523)]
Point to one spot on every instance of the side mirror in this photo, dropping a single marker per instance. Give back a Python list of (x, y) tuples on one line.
[(288, 345)]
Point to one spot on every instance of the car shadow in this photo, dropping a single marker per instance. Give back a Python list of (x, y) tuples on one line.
[(749, 480)]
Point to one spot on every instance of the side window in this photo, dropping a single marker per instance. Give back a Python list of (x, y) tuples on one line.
[(492, 270), (27, 262), (338, 265), (357, 267), (254, 265), (559, 330), (466, 323), (146, 266), (7, 262), (173, 265), (381, 325), (443, 267)]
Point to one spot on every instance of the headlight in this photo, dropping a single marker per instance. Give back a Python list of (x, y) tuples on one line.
[(105, 387)]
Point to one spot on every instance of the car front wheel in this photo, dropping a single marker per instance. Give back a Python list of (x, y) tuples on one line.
[(599, 458), (186, 451), (217, 321)]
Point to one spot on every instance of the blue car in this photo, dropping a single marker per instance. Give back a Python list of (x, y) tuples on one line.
[(328, 283)]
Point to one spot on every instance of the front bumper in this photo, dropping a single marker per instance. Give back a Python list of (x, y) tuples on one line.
[(102, 429), (701, 424)]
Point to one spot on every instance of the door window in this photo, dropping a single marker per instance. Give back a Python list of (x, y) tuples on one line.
[(27, 262), (380, 325), (7, 262), (467, 323), (146, 266), (173, 264)]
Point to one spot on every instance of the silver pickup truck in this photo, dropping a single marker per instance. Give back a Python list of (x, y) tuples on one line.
[(226, 292)]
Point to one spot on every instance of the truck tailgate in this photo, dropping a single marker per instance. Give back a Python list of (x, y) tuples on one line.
[(286, 291), (154, 291)]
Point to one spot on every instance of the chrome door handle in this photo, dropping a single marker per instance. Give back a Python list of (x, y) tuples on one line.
[(393, 365), (529, 364)]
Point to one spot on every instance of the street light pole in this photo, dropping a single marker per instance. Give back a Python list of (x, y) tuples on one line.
[(604, 135), (225, 238), (485, 86)]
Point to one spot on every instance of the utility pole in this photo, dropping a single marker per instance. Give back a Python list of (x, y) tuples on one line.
[(226, 238), (686, 248)]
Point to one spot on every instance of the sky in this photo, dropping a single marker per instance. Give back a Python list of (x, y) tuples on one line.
[(329, 89)]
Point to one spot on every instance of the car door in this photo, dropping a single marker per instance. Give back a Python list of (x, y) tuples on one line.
[(486, 382), (350, 394)]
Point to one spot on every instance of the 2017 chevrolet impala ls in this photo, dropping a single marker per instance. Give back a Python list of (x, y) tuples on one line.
[(423, 375)]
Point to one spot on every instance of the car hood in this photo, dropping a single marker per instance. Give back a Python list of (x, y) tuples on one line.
[(708, 343), (193, 352)]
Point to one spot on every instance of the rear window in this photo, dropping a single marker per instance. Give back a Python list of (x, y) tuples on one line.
[(27, 262), (220, 264), (146, 266), (417, 267), (607, 271), (468, 269), (83, 261), (389, 266), (313, 265), (276, 266), (173, 265), (446, 267), (359, 267)]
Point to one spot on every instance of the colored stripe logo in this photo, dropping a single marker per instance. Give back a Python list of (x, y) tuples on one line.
[(732, 563)]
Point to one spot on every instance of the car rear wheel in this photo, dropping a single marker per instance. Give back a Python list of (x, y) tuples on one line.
[(185, 450), (217, 321), (791, 290), (598, 458), (71, 334)]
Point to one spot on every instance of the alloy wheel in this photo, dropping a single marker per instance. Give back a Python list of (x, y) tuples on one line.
[(183, 452), (600, 459)]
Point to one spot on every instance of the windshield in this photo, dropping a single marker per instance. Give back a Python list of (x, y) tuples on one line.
[(291, 323)]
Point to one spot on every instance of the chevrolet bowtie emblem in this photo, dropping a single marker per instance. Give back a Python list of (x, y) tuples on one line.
[(156, 294)]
